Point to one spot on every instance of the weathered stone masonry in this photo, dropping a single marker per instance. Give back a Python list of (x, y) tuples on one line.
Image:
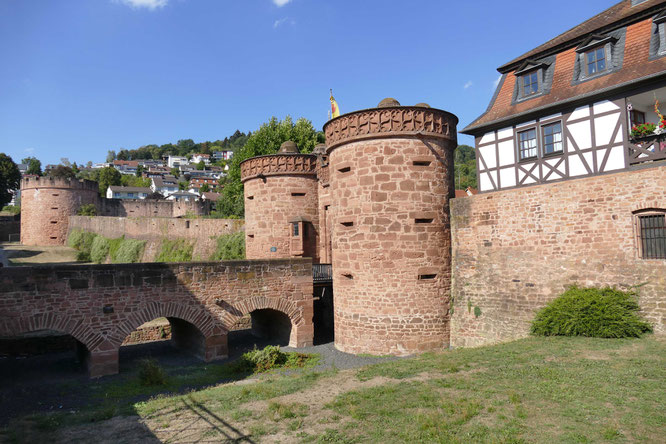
[(390, 181), (515, 250), (100, 305)]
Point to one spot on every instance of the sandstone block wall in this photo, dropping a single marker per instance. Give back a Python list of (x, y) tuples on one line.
[(390, 181), (151, 208), (280, 189), (203, 232), (100, 305), (10, 226), (515, 250), (47, 203)]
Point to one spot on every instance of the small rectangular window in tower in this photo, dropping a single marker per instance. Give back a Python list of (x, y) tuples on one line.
[(652, 232), (527, 144)]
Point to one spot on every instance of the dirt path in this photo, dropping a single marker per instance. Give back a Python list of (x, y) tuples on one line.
[(190, 422), (21, 255)]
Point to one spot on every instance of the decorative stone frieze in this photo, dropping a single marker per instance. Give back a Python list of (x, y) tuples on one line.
[(390, 122), (278, 164)]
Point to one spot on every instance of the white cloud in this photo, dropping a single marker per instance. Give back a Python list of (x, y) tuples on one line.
[(281, 3), (468, 84), (283, 21), (29, 150), (496, 82), (148, 4)]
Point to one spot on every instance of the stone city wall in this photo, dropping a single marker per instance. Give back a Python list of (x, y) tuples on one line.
[(100, 305), (203, 232), (516, 250)]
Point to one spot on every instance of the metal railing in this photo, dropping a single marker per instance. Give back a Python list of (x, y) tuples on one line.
[(322, 273), (647, 148)]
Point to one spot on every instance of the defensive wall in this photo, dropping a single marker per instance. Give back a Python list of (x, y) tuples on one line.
[(391, 176), (202, 232), (516, 250), (281, 213), (48, 202), (100, 305), (10, 228)]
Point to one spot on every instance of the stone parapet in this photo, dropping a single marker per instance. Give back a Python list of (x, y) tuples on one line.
[(392, 121), (278, 164), (58, 182)]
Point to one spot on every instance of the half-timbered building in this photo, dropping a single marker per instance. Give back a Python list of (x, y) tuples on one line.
[(566, 108)]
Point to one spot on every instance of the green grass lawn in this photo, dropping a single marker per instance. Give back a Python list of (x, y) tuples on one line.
[(536, 390)]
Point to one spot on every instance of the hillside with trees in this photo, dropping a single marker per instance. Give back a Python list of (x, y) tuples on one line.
[(464, 167), (184, 147)]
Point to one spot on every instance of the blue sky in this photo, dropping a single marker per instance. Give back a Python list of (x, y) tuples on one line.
[(81, 77)]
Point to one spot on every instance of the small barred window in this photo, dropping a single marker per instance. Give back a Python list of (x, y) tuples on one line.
[(651, 228)]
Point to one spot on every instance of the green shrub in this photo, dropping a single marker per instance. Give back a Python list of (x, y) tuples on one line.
[(176, 250), (11, 209), (82, 241), (114, 245), (87, 210), (592, 312), (99, 249), (262, 360), (229, 247), (128, 251), (150, 373)]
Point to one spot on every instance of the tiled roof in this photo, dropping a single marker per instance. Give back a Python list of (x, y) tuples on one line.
[(119, 189), (602, 22), (636, 67)]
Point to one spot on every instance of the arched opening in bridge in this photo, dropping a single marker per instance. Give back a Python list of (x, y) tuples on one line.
[(171, 341), (258, 329), (41, 354)]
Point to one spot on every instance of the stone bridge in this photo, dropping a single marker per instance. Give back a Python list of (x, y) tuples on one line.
[(100, 305)]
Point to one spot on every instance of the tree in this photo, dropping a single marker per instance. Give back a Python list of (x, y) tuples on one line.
[(182, 186), (464, 167), (204, 188), (201, 165), (140, 170), (10, 179), (155, 196), (107, 177), (110, 156), (63, 172), (175, 172), (266, 140), (34, 165)]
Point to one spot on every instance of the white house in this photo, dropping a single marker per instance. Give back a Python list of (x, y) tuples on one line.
[(118, 192), (176, 161)]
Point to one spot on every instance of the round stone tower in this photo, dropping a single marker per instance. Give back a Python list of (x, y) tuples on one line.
[(47, 203), (391, 177), (281, 214)]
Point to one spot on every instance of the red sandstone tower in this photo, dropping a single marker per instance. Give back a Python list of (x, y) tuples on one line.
[(391, 176), (47, 203), (281, 215)]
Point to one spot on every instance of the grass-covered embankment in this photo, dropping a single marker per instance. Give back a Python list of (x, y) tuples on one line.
[(552, 389)]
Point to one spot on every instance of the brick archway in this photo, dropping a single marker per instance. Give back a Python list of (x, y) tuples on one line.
[(206, 324), (300, 335), (52, 321)]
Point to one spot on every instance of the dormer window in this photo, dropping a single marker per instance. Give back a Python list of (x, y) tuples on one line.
[(533, 78), (530, 83), (599, 55), (658, 40), (596, 60)]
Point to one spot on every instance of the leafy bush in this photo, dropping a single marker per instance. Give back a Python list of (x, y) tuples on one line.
[(150, 373), (11, 209), (128, 251), (262, 360), (81, 241), (114, 245), (87, 210), (99, 249), (592, 312), (177, 250), (229, 247)]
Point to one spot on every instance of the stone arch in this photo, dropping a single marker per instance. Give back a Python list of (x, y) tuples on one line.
[(52, 321), (298, 335), (198, 317)]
